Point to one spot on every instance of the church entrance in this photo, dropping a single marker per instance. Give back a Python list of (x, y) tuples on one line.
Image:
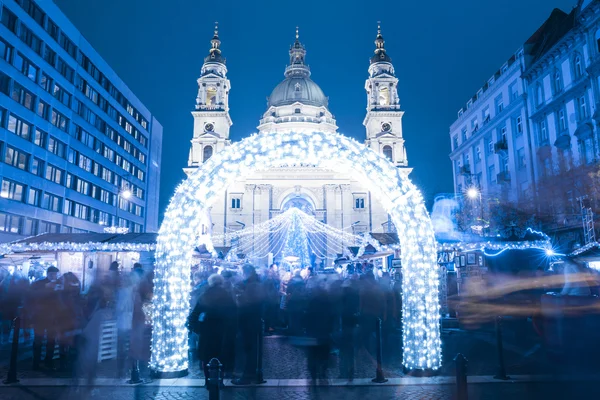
[(186, 219)]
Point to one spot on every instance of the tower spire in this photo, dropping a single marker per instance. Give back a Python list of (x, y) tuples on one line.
[(380, 54), (297, 56), (215, 50)]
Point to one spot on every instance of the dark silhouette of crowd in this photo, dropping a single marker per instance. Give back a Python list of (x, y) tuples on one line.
[(66, 321), (325, 313)]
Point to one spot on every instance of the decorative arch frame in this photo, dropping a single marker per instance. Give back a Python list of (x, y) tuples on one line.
[(284, 197), (180, 233)]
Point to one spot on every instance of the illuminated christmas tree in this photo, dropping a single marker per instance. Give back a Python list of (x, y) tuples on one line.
[(296, 242)]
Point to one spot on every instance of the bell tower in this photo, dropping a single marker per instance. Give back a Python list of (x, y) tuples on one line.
[(383, 121), (211, 114)]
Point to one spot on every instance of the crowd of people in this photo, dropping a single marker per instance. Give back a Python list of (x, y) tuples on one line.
[(59, 315), (325, 313)]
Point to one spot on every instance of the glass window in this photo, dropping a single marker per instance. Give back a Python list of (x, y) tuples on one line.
[(60, 121), (543, 129), (577, 66), (37, 167), (19, 127), (34, 197), (521, 163), (582, 107), (45, 82), (51, 202), (388, 153), (5, 51), (236, 203), (40, 138), (52, 29), (12, 190), (65, 70), (54, 174), (23, 96), (56, 147), (499, 104), (519, 125), (42, 109), (50, 55), (16, 158), (359, 202), (562, 121), (9, 20)]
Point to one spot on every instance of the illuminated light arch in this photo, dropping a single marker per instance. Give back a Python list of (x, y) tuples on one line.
[(181, 232)]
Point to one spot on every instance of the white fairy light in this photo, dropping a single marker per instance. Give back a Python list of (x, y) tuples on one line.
[(186, 214)]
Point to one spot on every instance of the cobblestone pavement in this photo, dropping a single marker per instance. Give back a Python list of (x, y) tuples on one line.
[(283, 360), (486, 391)]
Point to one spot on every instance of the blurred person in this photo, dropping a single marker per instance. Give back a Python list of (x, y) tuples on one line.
[(318, 328), (70, 319), (372, 307), (296, 289), (141, 325), (124, 317), (271, 284), (350, 302), (228, 361), (576, 279), (200, 281), (250, 306), (211, 318), (14, 287), (42, 306)]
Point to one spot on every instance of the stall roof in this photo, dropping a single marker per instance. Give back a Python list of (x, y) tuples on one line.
[(82, 242), (386, 238)]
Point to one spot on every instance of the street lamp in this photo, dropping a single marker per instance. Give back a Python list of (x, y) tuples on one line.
[(115, 228), (474, 193)]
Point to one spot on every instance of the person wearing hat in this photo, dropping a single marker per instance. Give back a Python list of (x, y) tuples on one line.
[(42, 302)]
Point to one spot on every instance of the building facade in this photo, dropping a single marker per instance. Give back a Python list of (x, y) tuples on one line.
[(298, 104), (548, 93), (78, 150), (490, 138)]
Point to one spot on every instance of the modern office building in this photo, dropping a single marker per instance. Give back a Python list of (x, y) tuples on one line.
[(79, 152)]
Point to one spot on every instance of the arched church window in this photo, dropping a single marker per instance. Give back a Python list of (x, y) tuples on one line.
[(384, 96), (211, 95), (207, 153), (387, 152)]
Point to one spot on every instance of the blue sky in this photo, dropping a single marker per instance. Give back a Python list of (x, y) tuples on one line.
[(443, 51)]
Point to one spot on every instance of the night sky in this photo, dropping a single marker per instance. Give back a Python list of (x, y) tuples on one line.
[(443, 51)]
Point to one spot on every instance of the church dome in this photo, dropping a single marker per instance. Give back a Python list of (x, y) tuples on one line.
[(299, 88)]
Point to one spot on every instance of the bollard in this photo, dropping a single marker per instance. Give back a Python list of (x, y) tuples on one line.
[(135, 373), (379, 378), (501, 369), (214, 380), (259, 353), (14, 351), (461, 377)]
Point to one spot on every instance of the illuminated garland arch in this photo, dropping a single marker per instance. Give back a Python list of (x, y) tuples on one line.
[(186, 216)]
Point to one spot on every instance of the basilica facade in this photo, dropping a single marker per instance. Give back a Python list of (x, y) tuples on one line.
[(298, 104)]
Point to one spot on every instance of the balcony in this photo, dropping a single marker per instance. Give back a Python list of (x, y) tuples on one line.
[(503, 177), (465, 170), (501, 145)]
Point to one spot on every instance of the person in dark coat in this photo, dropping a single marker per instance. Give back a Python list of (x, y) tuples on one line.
[(250, 309), (70, 319), (42, 305), (211, 319), (319, 325), (349, 313)]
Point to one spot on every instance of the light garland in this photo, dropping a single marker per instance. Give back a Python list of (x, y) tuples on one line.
[(324, 241), (185, 216), (583, 249), (12, 248), (499, 246)]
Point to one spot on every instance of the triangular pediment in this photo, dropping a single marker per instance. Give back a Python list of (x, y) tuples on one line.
[(210, 134), (383, 135)]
